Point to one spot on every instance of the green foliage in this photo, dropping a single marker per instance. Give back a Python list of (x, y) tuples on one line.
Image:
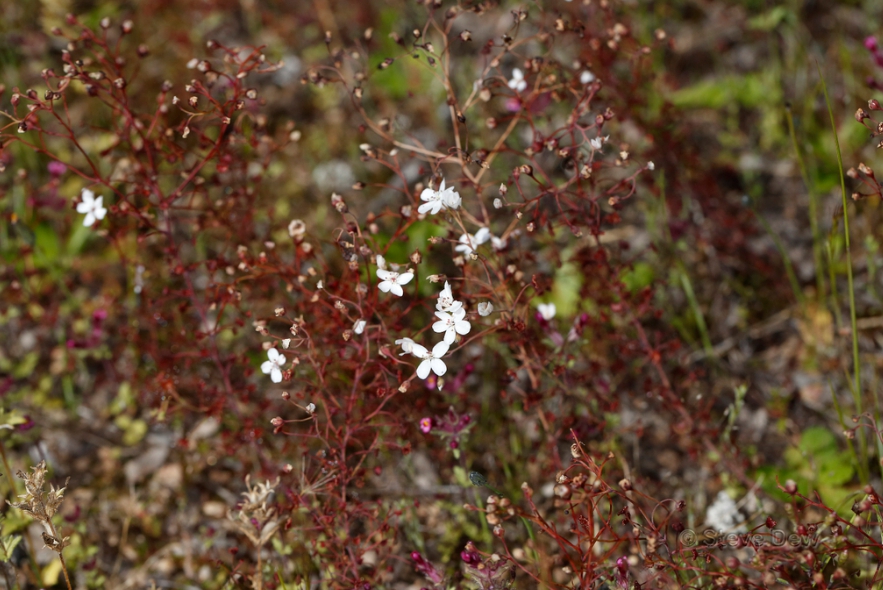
[(815, 463), (641, 275), (748, 90)]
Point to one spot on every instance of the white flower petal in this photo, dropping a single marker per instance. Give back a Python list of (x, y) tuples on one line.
[(89, 220), (385, 286), (84, 207), (276, 375), (405, 278), (463, 327), (440, 349), (547, 310), (424, 368), (438, 366), (267, 366), (407, 345), (396, 289)]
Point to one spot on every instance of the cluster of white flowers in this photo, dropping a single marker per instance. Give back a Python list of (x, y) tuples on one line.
[(452, 321), (517, 83), (435, 201), (450, 313)]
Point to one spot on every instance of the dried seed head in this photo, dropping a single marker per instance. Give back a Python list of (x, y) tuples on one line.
[(37, 502)]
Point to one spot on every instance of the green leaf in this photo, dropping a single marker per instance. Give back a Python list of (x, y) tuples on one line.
[(638, 277), (836, 469), (817, 439)]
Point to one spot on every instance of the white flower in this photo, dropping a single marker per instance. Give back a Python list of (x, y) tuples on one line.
[(381, 262), (359, 326), (451, 324), (431, 360), (723, 516), (391, 282), (272, 366), (586, 77), (450, 197), (91, 207), (286, 342), (517, 83), (468, 243), (547, 310), (485, 308), (297, 228), (599, 141), (407, 345), (443, 198), (446, 300), (311, 408)]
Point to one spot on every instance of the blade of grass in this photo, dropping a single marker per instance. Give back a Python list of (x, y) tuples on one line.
[(857, 384), (687, 286)]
